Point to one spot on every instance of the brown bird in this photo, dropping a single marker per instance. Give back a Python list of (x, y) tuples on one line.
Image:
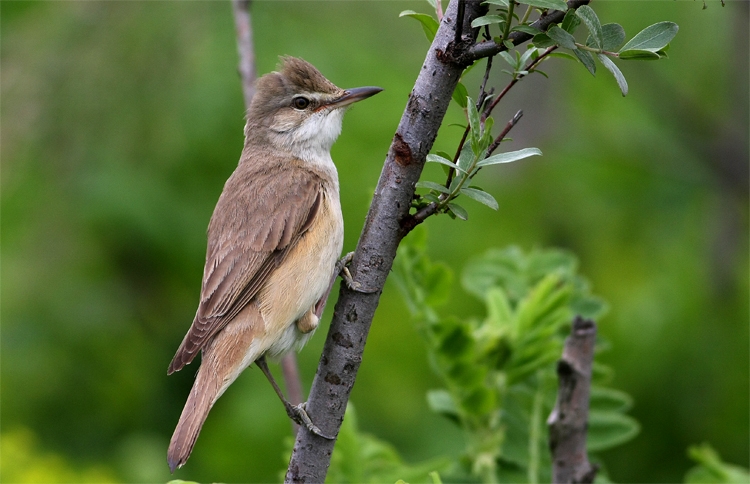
[(273, 242)]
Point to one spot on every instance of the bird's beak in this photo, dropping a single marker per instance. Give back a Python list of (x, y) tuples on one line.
[(353, 95)]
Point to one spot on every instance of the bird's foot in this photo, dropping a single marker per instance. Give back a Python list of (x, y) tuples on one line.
[(343, 270), (299, 414)]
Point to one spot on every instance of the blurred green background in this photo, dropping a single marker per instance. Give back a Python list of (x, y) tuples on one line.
[(122, 120)]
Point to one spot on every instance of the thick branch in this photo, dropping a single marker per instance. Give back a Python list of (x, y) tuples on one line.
[(490, 48), (569, 419), (377, 246)]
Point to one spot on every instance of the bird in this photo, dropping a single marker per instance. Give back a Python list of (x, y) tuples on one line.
[(274, 241)]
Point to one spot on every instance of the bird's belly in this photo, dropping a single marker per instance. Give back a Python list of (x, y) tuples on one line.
[(301, 280)]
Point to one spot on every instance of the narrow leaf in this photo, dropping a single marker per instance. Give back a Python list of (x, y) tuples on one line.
[(439, 159), (553, 4), (589, 18), (508, 58), (458, 211), (652, 38), (608, 429), (636, 54), (429, 24), (562, 38), (487, 20), (563, 55), (432, 186), (473, 116), (526, 29), (509, 156), (460, 94), (587, 60), (612, 67), (480, 196)]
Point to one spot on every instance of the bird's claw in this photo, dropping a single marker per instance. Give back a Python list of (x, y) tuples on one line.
[(343, 270), (299, 414)]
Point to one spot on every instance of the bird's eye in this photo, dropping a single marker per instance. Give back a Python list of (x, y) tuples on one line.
[(300, 102)]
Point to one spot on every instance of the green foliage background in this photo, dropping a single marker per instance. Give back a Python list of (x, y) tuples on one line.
[(122, 120)]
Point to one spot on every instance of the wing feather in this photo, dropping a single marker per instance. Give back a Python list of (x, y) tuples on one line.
[(256, 222)]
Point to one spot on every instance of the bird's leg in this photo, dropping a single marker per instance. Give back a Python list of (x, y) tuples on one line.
[(296, 413), (342, 270)]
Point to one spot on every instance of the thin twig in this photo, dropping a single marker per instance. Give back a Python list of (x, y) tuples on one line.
[(459, 22), (488, 110), (516, 118)]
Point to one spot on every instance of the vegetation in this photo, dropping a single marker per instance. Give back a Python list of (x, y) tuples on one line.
[(121, 122)]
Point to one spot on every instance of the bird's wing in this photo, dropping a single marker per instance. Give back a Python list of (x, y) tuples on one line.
[(256, 222)]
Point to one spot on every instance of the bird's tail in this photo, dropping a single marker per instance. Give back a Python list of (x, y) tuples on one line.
[(202, 396)]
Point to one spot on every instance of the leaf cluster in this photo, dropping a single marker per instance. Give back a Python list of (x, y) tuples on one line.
[(604, 40), (498, 369)]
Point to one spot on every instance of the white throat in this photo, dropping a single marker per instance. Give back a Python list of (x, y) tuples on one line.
[(312, 140)]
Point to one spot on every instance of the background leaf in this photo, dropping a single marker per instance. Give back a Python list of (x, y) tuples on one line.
[(429, 24)]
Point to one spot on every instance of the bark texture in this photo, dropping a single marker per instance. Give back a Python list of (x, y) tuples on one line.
[(568, 421)]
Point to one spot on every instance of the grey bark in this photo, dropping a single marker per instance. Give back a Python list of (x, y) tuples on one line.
[(244, 27), (378, 242), (568, 421)]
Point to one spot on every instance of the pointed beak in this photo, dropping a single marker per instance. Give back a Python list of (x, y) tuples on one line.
[(353, 95)]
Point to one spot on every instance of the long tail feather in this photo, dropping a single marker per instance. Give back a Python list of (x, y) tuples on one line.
[(202, 397)]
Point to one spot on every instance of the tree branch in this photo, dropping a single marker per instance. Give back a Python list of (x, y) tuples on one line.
[(377, 245), (243, 25), (569, 419), (490, 48)]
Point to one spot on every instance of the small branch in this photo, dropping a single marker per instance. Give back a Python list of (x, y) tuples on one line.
[(569, 419), (242, 23), (459, 22), (516, 118), (486, 49), (486, 113)]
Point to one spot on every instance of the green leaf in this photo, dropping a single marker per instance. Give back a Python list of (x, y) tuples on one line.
[(473, 115), (432, 186), (509, 156), (480, 196), (487, 20), (435, 476), (458, 211), (587, 14), (460, 94), (711, 469), (526, 29), (441, 402), (613, 35), (635, 54), (439, 159), (508, 58), (570, 22), (563, 55), (609, 429), (553, 4), (586, 59), (612, 67), (604, 399), (542, 41), (501, 3), (653, 38), (562, 37), (429, 24)]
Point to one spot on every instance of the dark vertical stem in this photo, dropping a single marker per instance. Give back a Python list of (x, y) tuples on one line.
[(569, 419)]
